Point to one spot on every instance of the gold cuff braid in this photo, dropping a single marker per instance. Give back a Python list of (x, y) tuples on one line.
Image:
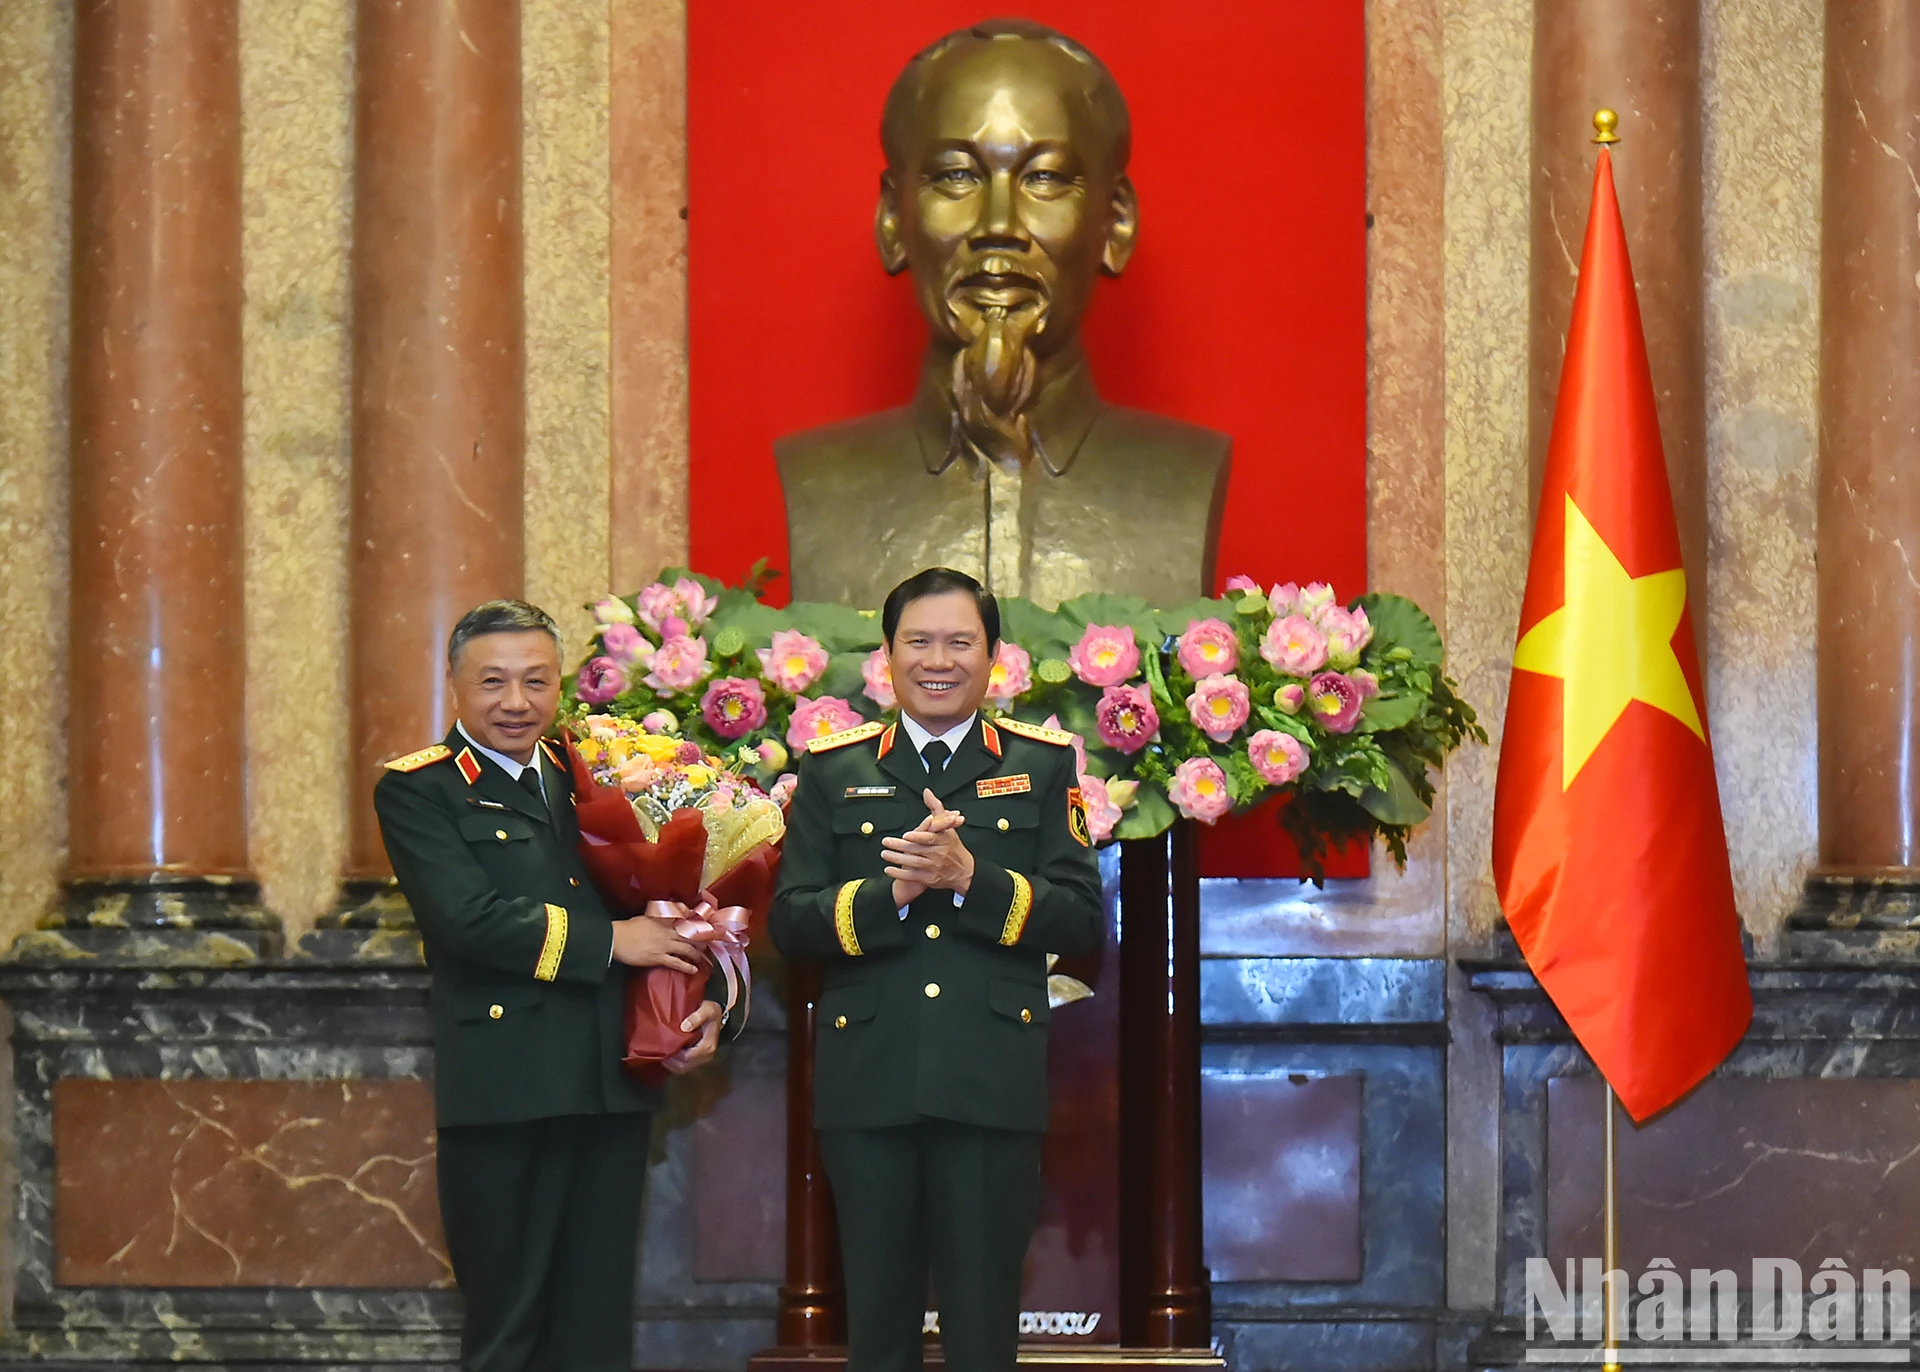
[(843, 919), (1017, 911), (549, 965)]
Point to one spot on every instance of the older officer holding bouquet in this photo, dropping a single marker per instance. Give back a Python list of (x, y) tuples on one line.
[(932, 864), (542, 1137)]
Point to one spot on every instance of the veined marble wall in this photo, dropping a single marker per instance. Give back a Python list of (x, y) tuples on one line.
[(606, 458)]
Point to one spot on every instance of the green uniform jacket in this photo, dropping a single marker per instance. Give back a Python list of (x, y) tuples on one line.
[(942, 1014), (527, 1013)]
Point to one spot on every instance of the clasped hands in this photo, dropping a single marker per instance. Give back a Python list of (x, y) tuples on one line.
[(931, 857)]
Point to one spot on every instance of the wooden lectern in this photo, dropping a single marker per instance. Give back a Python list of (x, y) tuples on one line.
[(1144, 1048)]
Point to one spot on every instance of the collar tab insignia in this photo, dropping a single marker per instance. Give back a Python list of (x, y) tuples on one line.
[(991, 737), (469, 765)]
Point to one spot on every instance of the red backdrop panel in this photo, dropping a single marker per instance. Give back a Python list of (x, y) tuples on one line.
[(1243, 309)]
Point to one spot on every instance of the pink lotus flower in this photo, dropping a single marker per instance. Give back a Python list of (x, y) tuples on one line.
[(683, 600), (1335, 702), (1106, 655), (1347, 631), (698, 605), (1242, 583), (1289, 698), (817, 718), (734, 706), (1102, 813), (1207, 647), (878, 671), (1368, 683), (600, 680), (1218, 706), (679, 664), (794, 662), (660, 722), (1079, 744), (612, 610), (1011, 675), (626, 645), (1199, 790), (1277, 757), (1288, 599), (782, 790), (1294, 646), (1126, 718)]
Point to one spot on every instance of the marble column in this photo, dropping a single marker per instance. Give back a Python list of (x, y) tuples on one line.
[(1640, 58), (1867, 882), (156, 807), (439, 416)]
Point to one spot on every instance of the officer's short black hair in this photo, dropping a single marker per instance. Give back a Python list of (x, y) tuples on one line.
[(939, 581), (498, 617)]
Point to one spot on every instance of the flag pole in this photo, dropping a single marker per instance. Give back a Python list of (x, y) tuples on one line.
[(1610, 1353), (1604, 123)]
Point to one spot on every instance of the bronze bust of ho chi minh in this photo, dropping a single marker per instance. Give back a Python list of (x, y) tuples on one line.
[(1006, 195)]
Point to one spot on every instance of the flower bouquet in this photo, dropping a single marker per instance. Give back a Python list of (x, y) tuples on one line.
[(1193, 711), (673, 833)]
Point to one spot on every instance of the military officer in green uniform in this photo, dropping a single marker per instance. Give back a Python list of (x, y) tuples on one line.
[(542, 1138), (932, 864)]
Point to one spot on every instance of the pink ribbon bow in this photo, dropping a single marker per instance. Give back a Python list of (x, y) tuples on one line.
[(723, 929)]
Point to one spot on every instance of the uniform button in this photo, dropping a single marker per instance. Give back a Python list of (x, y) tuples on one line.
[(867, 828), (494, 1012), (933, 931), (500, 834), (839, 1021), (1004, 825), (933, 989), (573, 881), (1026, 1017)]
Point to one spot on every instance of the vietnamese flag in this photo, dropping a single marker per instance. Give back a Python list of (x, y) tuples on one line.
[(1608, 849)]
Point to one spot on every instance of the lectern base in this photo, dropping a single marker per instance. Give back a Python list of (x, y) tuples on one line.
[(1063, 1357)]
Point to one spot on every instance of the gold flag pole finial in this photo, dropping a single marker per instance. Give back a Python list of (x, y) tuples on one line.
[(1604, 124)]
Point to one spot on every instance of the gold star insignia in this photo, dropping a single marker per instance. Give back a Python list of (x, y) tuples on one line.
[(1610, 643)]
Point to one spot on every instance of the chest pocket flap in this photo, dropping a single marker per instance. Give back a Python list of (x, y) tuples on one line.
[(1001, 814), (495, 826), (887, 816)]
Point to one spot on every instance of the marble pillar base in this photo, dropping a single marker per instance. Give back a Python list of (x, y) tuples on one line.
[(1857, 919), (370, 924), (1795, 1148), (226, 1166), (183, 921)]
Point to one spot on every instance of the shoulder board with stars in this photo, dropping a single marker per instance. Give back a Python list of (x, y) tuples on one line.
[(828, 742), (413, 762), (1038, 732)]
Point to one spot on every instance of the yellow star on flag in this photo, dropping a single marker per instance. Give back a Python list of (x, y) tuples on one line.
[(1611, 643)]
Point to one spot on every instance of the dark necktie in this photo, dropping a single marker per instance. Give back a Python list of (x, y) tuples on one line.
[(530, 779), (935, 756)]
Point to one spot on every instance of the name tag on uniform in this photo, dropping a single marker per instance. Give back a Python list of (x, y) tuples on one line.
[(1003, 786), (489, 804), (870, 792)]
